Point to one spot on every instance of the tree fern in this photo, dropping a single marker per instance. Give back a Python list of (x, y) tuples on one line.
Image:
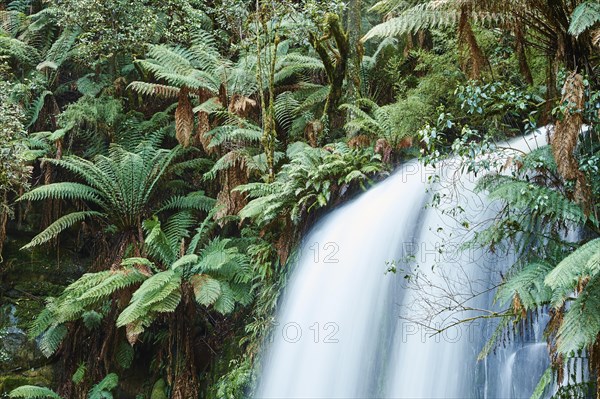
[(121, 184)]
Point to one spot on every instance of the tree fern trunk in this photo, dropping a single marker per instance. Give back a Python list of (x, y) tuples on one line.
[(520, 51), (466, 35)]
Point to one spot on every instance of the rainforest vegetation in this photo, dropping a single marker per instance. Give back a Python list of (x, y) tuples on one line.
[(161, 160)]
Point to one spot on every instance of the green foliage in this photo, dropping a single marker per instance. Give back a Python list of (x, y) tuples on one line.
[(309, 181), (121, 184), (584, 263), (585, 16), (86, 293), (33, 392), (391, 122), (528, 284), (102, 390), (545, 380), (14, 172)]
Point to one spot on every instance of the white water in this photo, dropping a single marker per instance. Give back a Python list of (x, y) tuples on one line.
[(348, 329)]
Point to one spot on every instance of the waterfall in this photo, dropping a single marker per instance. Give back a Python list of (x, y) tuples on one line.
[(349, 326)]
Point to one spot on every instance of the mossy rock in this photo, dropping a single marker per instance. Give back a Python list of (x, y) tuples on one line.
[(41, 377)]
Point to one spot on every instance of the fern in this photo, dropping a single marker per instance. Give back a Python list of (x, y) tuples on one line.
[(528, 285), (102, 390), (124, 354), (33, 392), (121, 183), (51, 339), (540, 200), (545, 380), (60, 225), (584, 17), (582, 263), (581, 324), (159, 293)]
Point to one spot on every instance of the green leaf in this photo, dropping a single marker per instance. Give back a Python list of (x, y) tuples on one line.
[(33, 392), (60, 225)]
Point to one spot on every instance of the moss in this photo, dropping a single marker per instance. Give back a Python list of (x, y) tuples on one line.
[(41, 377)]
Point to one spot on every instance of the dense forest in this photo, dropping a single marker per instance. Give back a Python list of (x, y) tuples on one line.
[(162, 160)]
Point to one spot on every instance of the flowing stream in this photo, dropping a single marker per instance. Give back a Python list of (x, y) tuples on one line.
[(351, 322)]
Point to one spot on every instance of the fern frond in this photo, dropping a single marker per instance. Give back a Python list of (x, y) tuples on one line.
[(154, 89), (60, 49), (34, 109), (152, 291), (206, 289), (63, 191), (528, 284), (102, 389), (584, 17), (50, 341), (584, 262), (124, 354), (225, 304), (193, 201), (60, 225), (581, 323), (540, 200), (33, 392)]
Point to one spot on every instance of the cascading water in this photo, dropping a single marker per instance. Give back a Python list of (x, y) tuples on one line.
[(347, 327)]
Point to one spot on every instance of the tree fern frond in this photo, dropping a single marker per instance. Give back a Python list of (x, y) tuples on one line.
[(584, 17), (206, 289), (413, 19), (193, 201), (60, 49), (584, 262), (60, 225), (51, 339), (540, 200), (153, 290), (178, 227), (102, 389), (225, 304), (33, 392), (124, 354), (154, 89), (528, 284), (63, 191), (581, 323), (109, 282), (34, 109)]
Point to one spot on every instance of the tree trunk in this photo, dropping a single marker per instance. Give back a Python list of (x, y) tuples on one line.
[(466, 35), (355, 50), (520, 51)]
